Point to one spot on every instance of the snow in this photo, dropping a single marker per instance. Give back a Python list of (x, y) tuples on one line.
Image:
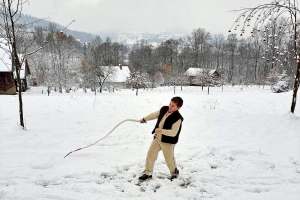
[(5, 61), (240, 143), (196, 71), (120, 75)]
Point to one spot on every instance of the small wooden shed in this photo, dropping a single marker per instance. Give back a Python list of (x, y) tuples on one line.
[(193, 72), (8, 82)]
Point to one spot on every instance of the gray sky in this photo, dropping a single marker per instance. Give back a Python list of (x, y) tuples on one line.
[(181, 16)]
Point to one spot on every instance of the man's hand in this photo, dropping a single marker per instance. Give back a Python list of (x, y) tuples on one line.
[(143, 121), (158, 130)]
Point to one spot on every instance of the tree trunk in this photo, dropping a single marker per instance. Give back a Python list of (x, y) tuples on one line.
[(136, 91), (296, 86), (174, 89), (20, 97), (48, 89), (18, 68)]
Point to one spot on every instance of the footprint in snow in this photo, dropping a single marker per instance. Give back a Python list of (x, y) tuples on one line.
[(45, 165)]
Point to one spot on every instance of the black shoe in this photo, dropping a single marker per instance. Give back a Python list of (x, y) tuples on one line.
[(145, 177), (175, 175)]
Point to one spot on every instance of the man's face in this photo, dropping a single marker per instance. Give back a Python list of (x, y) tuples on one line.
[(173, 107)]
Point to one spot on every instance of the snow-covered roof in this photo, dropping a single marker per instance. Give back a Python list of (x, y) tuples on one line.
[(6, 65), (23, 72), (120, 75), (195, 71), (5, 61)]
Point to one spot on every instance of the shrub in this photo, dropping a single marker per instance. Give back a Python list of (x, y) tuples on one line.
[(281, 86)]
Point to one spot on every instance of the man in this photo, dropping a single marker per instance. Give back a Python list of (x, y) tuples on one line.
[(167, 130)]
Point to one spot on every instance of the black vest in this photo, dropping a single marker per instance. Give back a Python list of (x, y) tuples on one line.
[(170, 120)]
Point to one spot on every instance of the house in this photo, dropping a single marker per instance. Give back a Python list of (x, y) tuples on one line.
[(8, 83), (193, 72), (118, 76), (24, 72)]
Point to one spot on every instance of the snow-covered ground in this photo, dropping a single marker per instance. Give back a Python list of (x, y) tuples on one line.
[(240, 143)]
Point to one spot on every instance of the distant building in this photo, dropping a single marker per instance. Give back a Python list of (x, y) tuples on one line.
[(193, 72), (8, 82), (24, 72), (118, 78)]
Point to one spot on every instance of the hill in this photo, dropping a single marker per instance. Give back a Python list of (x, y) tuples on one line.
[(34, 22)]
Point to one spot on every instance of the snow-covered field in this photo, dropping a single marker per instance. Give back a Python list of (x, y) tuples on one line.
[(240, 143)]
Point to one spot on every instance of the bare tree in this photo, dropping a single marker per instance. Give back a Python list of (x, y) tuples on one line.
[(232, 47), (184, 58), (205, 78), (256, 54), (198, 41), (109, 53), (177, 79), (272, 78), (167, 53), (97, 66), (142, 58), (182, 80), (260, 16), (158, 79), (219, 44), (89, 74), (10, 32), (62, 49), (93, 75), (136, 80)]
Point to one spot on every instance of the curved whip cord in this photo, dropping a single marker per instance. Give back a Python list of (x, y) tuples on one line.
[(133, 120)]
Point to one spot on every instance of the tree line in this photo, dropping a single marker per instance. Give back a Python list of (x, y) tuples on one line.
[(60, 61), (239, 60)]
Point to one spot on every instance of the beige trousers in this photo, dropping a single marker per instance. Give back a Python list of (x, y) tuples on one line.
[(168, 151)]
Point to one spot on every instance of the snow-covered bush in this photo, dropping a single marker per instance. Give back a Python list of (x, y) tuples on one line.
[(281, 86), (283, 83)]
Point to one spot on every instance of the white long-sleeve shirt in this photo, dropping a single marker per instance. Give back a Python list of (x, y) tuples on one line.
[(172, 132)]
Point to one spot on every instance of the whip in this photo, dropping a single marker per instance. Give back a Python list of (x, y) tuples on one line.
[(133, 120)]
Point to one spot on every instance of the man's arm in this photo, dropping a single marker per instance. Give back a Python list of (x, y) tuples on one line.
[(149, 117), (170, 132)]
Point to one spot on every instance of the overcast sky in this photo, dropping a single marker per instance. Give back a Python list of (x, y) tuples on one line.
[(180, 16)]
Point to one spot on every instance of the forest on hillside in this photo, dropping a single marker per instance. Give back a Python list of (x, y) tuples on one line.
[(63, 60)]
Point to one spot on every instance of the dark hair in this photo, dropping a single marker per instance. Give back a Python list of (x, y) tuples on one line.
[(178, 101)]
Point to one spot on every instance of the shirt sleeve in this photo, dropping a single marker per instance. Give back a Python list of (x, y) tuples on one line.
[(152, 116), (173, 131)]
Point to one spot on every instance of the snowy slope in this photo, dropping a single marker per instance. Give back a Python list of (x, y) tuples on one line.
[(235, 144)]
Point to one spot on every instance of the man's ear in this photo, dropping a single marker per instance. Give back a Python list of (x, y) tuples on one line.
[(178, 108)]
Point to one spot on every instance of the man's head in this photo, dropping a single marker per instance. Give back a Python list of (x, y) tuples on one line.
[(175, 104)]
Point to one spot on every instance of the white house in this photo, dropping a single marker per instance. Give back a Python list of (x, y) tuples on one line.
[(193, 72), (118, 78)]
